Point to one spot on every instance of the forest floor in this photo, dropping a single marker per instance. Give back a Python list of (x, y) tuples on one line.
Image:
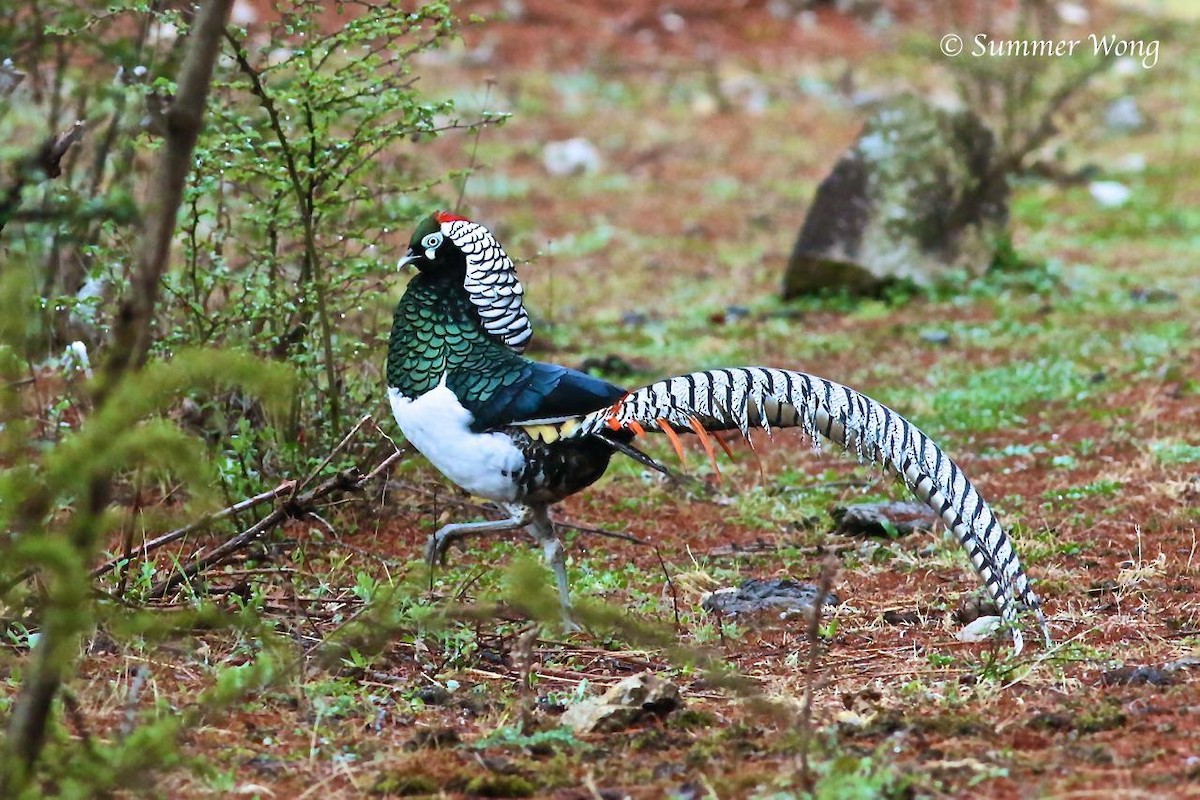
[(1067, 390)]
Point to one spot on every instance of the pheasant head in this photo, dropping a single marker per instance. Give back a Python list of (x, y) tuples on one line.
[(446, 246)]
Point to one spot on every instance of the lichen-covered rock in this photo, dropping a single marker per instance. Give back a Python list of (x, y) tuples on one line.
[(782, 596), (919, 194), (885, 520)]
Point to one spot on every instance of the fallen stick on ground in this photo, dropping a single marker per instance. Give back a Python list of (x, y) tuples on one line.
[(296, 507), (149, 547)]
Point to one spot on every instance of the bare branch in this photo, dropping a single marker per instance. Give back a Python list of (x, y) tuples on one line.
[(310, 271), (337, 449), (184, 117), (131, 341), (287, 487), (46, 163), (51, 156), (299, 507), (625, 537)]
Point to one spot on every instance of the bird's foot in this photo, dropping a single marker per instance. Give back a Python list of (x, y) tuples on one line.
[(436, 547), (569, 625)]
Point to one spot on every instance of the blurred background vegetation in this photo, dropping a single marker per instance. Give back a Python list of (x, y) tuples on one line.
[(648, 165)]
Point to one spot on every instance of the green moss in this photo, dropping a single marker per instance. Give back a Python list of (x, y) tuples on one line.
[(692, 718), (649, 740), (404, 785), (1105, 717), (501, 786), (946, 725), (701, 753), (1175, 452), (955, 725)]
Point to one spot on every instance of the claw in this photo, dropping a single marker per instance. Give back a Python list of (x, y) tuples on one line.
[(435, 551)]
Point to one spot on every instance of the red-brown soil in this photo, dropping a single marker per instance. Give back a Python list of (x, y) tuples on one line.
[(1118, 572)]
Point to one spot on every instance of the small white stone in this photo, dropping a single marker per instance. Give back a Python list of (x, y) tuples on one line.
[(1073, 13), (1110, 194), (1123, 115), (705, 105), (243, 13), (980, 630), (672, 22), (571, 157), (164, 32)]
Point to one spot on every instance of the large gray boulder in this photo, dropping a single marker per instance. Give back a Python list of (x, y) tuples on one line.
[(918, 195)]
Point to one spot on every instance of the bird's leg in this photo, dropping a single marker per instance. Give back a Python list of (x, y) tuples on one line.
[(435, 548), (542, 530)]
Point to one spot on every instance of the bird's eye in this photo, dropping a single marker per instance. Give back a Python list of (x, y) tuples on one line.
[(432, 241)]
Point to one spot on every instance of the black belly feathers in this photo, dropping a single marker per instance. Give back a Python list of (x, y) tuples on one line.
[(556, 468)]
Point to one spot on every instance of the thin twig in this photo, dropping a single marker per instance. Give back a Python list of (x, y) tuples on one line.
[(465, 586), (71, 704), (299, 507), (846, 484), (670, 584), (127, 539), (324, 523), (462, 190), (625, 537), (242, 540), (286, 487), (336, 449), (824, 584), (384, 465), (436, 497)]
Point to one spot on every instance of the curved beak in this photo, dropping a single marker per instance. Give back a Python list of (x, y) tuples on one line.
[(409, 258)]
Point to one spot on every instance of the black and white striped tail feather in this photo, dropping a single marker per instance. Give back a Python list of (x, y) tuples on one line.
[(747, 398)]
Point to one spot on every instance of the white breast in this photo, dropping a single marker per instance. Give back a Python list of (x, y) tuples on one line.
[(435, 423)]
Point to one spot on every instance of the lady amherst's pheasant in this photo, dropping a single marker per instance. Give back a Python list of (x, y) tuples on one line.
[(526, 434)]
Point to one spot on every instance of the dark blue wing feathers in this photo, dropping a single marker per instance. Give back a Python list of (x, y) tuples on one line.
[(545, 391)]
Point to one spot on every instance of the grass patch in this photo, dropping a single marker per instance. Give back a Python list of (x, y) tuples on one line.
[(979, 400), (1175, 452)]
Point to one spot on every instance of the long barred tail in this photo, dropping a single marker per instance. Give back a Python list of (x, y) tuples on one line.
[(746, 398)]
